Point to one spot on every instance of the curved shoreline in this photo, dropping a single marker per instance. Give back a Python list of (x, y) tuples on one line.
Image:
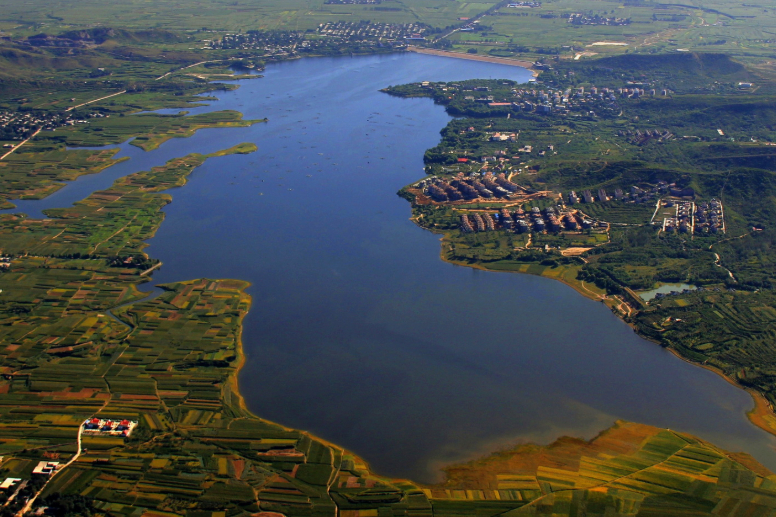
[(762, 415), (234, 388)]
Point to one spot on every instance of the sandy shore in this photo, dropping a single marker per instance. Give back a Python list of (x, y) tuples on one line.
[(475, 57)]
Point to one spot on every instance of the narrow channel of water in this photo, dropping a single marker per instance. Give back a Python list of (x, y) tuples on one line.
[(358, 332)]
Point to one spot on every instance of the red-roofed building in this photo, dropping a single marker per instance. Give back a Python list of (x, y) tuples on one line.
[(463, 160)]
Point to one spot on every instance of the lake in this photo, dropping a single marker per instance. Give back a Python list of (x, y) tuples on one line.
[(358, 332), (665, 289)]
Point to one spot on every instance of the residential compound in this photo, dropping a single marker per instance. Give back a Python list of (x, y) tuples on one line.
[(641, 137), (485, 185), (108, 427), (676, 209), (535, 220), (635, 194), (689, 217), (591, 101)]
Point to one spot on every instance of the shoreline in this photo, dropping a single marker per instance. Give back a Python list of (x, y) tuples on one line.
[(234, 388), (762, 415), (475, 57), (579, 288)]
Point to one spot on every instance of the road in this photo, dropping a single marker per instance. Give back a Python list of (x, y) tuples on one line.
[(475, 18), (21, 144), (27, 507), (657, 207), (185, 67), (71, 108), (718, 263), (158, 264)]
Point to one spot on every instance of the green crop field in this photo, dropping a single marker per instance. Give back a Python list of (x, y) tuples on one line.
[(226, 15)]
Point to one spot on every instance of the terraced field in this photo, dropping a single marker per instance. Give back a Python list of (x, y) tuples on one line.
[(629, 469)]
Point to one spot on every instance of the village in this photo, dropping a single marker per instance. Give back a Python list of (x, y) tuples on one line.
[(279, 43), (496, 188), (547, 220), (19, 125), (365, 30), (676, 210), (579, 100), (583, 19), (524, 4), (686, 216)]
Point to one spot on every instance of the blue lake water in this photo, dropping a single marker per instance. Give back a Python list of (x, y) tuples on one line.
[(358, 332)]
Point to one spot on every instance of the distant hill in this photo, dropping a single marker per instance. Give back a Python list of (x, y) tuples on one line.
[(680, 72), (101, 35), (690, 63)]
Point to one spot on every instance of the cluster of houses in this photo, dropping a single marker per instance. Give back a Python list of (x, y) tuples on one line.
[(709, 217), (558, 101), (706, 217), (553, 101), (43, 468), (289, 43), (102, 426), (682, 221), (524, 4), (634, 195), (486, 186), (595, 19), (271, 42), (388, 31), (20, 125), (536, 220), (508, 137), (640, 137)]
